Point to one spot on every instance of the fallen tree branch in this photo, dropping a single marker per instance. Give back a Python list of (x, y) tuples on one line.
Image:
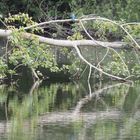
[(88, 19), (4, 33), (67, 43)]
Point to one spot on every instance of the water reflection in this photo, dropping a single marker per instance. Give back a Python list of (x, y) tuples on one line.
[(67, 111)]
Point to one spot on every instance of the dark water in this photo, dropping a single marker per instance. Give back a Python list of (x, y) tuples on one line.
[(70, 111)]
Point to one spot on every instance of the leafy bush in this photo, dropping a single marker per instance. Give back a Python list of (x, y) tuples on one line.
[(23, 52)]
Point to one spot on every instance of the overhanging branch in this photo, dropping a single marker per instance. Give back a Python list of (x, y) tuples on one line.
[(67, 43)]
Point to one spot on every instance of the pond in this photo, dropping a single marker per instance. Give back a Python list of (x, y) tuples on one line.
[(70, 111)]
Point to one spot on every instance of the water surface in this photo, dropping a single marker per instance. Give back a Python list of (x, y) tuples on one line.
[(70, 111)]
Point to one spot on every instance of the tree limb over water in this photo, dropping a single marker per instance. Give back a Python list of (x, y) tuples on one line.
[(76, 43), (67, 43)]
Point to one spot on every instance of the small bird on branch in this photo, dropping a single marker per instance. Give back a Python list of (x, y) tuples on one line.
[(72, 16)]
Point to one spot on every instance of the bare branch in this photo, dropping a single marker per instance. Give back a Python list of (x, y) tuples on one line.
[(100, 70), (86, 19), (103, 45), (66, 43)]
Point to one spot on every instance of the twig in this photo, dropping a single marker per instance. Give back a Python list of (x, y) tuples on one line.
[(83, 71), (103, 57), (130, 36), (89, 75), (34, 74), (98, 43), (48, 22), (4, 23), (121, 26), (100, 70), (34, 86), (131, 23)]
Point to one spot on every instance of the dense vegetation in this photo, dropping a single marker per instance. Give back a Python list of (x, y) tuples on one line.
[(41, 9), (35, 55)]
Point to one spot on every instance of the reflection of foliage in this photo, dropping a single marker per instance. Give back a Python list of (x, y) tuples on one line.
[(39, 101), (45, 99), (3, 95), (62, 97)]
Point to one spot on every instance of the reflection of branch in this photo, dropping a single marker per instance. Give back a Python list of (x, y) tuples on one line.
[(4, 127), (6, 111), (136, 104), (128, 126), (68, 117), (89, 97), (123, 99)]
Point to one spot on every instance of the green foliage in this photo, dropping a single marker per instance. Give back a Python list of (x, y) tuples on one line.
[(105, 30), (136, 70), (30, 53), (76, 36), (134, 31), (3, 68), (118, 9), (116, 66), (22, 20), (76, 67), (130, 11)]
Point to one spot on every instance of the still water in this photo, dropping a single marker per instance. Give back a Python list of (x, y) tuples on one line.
[(70, 111)]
